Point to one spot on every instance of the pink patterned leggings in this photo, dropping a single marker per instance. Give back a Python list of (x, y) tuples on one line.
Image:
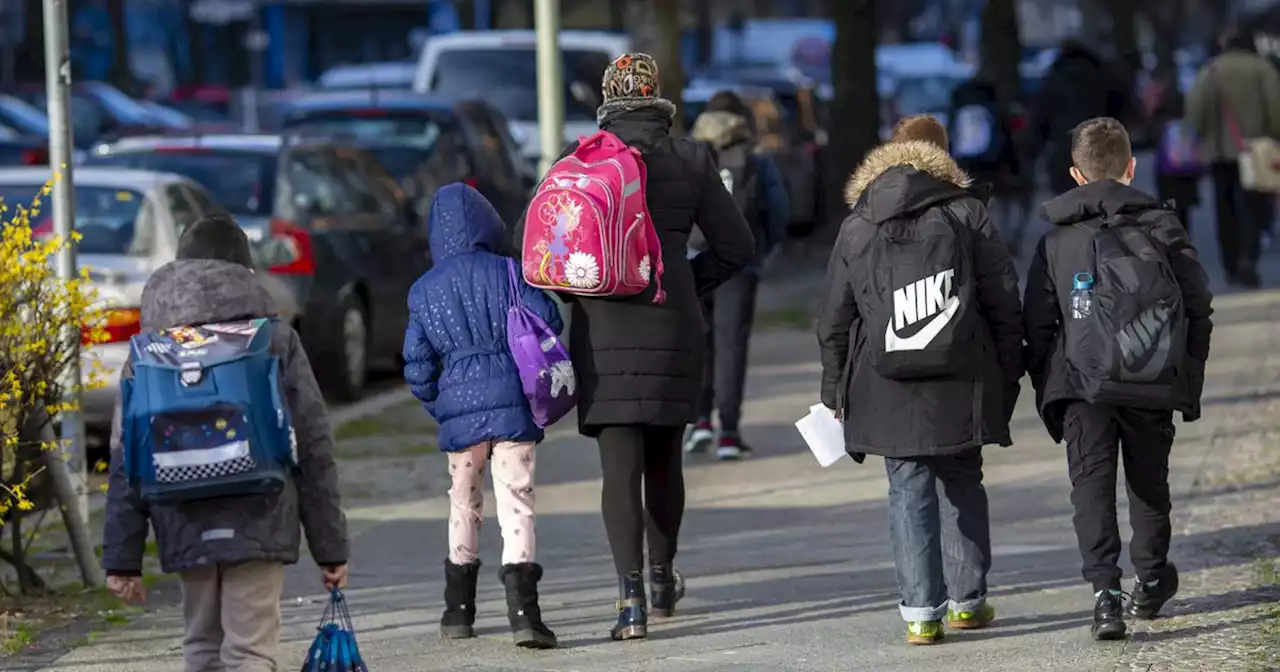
[(513, 465)]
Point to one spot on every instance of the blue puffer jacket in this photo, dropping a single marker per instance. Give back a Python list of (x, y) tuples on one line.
[(455, 348)]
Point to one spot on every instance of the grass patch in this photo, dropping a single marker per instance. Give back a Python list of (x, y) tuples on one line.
[(793, 318), (408, 418), (23, 619), (383, 447)]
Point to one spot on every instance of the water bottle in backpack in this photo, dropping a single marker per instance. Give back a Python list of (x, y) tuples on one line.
[(204, 414), (1082, 296)]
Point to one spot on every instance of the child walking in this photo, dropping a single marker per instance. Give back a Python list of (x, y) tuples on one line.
[(229, 551), (1117, 320), (458, 364)]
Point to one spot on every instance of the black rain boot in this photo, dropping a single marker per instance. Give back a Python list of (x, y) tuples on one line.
[(633, 621), (527, 628), (665, 589), (1149, 597), (459, 600)]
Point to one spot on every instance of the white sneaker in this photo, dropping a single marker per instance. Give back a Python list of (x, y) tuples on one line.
[(736, 450), (698, 438)]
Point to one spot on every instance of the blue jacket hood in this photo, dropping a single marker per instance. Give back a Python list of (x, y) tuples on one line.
[(462, 221)]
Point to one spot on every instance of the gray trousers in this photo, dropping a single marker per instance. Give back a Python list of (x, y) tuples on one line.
[(730, 311)]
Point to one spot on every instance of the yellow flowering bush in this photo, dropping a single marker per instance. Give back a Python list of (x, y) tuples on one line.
[(40, 318)]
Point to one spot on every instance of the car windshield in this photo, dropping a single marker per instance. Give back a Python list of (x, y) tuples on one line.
[(105, 218), (25, 114), (506, 77), (243, 182), (374, 125)]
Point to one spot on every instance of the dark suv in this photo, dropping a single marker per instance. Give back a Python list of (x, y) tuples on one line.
[(325, 216), (425, 141)]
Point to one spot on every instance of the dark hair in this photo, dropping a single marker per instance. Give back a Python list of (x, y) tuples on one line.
[(1100, 149), (728, 101), (921, 128), (216, 237)]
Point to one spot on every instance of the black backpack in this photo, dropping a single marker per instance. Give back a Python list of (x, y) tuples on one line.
[(1129, 348), (920, 306), (738, 173)]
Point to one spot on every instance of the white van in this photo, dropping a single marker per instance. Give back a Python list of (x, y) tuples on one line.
[(500, 66)]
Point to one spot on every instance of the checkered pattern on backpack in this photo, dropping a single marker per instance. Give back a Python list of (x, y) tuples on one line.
[(197, 472)]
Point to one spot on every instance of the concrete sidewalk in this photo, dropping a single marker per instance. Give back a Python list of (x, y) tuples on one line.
[(789, 566)]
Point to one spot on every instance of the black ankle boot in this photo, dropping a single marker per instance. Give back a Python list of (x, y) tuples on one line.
[(1108, 616), (527, 628), (459, 600), (1150, 596), (665, 589), (633, 621)]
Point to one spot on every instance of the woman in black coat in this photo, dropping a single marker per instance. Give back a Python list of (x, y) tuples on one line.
[(640, 364)]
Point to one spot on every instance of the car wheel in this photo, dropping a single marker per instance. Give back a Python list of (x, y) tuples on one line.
[(347, 368)]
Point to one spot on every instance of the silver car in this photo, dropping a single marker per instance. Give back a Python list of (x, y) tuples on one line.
[(129, 222)]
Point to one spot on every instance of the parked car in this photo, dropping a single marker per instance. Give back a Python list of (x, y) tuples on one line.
[(129, 222), (425, 141), (23, 117), (99, 111), (23, 150), (392, 75), (500, 66), (798, 164), (324, 217)]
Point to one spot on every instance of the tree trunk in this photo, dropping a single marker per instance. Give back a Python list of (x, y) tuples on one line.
[(670, 65), (1001, 51), (31, 52), (121, 72), (39, 428), (1167, 19), (1124, 38), (855, 105), (618, 15), (705, 32)]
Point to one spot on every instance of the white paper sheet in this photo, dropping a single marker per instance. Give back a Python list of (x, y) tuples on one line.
[(823, 433)]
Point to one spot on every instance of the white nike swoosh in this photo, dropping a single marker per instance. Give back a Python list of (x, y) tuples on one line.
[(921, 339)]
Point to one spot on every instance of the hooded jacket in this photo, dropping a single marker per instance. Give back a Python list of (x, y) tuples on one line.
[(455, 348), (1237, 85), (1049, 288), (726, 131), (239, 529), (917, 418)]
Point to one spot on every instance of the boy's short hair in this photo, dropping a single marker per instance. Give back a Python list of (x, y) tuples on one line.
[(216, 237), (921, 128), (1100, 149)]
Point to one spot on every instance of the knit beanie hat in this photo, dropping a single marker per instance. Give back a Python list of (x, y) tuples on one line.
[(631, 77)]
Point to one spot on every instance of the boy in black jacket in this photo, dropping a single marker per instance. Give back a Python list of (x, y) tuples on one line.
[(1117, 317)]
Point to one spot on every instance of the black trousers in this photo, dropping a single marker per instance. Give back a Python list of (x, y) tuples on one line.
[(1098, 438), (1242, 217), (730, 312), (643, 490)]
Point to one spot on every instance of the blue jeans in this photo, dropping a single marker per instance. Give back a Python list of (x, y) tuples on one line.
[(941, 544)]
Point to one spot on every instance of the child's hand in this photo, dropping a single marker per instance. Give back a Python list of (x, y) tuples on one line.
[(127, 588), (334, 576)]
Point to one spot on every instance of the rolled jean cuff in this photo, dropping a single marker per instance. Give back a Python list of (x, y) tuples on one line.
[(968, 606), (913, 614)]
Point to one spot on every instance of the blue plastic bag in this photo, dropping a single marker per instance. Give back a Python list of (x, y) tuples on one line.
[(335, 648)]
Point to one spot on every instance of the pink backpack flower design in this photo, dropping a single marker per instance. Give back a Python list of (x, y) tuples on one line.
[(588, 230)]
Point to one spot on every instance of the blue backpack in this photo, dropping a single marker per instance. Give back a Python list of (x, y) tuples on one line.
[(204, 415)]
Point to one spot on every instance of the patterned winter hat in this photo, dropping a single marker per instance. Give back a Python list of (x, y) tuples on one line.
[(631, 77)]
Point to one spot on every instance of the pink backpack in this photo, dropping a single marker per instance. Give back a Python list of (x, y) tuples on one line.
[(588, 230)]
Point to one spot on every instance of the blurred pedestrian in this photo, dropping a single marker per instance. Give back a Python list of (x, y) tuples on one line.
[(640, 364), (920, 333), (982, 142), (1236, 97), (230, 552), (752, 177), (1110, 365), (1079, 86), (1178, 162), (457, 362)]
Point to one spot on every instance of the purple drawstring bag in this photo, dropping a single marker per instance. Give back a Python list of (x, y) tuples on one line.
[(546, 373)]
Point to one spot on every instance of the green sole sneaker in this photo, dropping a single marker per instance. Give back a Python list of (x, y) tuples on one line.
[(971, 620), (924, 632)]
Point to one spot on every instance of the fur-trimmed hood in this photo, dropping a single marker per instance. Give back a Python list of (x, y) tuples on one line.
[(898, 178)]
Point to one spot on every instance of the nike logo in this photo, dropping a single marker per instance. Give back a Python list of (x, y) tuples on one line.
[(926, 299), (1145, 341)]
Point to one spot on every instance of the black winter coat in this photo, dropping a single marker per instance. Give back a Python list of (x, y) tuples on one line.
[(918, 418), (639, 363), (1048, 296)]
